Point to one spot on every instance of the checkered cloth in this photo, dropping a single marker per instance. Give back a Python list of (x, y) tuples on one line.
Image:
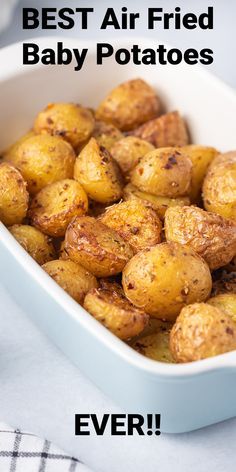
[(25, 452)]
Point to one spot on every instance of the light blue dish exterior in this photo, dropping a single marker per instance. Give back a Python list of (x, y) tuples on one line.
[(187, 396)]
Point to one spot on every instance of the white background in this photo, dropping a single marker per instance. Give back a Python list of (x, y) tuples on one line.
[(40, 390)]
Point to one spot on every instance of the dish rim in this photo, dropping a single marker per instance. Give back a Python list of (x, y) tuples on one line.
[(140, 362)]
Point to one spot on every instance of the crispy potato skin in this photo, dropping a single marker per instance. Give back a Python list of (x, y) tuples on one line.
[(210, 235), (98, 173), (156, 345), (128, 151), (72, 122), (37, 244), (135, 223), (157, 203), (219, 187), (129, 105), (163, 172), (115, 313), (162, 279), (167, 130), (201, 157), (106, 134), (72, 277), (14, 198), (43, 160), (96, 247), (201, 331), (56, 205), (225, 302)]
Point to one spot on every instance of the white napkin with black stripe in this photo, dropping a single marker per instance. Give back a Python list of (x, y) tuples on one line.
[(25, 452)]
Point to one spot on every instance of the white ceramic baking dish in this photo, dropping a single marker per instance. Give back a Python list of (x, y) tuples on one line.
[(188, 396)]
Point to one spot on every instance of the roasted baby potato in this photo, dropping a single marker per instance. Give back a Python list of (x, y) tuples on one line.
[(72, 122), (156, 345), (128, 151), (13, 149), (219, 187), (201, 157), (157, 203), (165, 131), (164, 172), (98, 173), (162, 279), (106, 134), (43, 160), (135, 223), (54, 206), (38, 245), (129, 105), (96, 247), (72, 277), (225, 302), (115, 312), (62, 252), (14, 197), (210, 235), (202, 331)]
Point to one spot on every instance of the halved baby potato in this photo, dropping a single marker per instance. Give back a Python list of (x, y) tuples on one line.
[(164, 278), (163, 172), (115, 312), (210, 235), (54, 206), (167, 130), (14, 198), (72, 122), (129, 105), (96, 247), (128, 151), (106, 134), (72, 277), (157, 203), (156, 345), (135, 223), (98, 173), (202, 331), (38, 245), (43, 160)]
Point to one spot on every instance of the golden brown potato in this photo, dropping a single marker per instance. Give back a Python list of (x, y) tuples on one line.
[(115, 313), (13, 149), (14, 197), (157, 203), (37, 244), (72, 122), (225, 302), (201, 157), (135, 223), (162, 279), (106, 134), (54, 206), (129, 105), (210, 235), (164, 172), (167, 130), (219, 187), (96, 247), (43, 160), (72, 277), (128, 151), (62, 252), (224, 282), (156, 345), (201, 331), (98, 173)]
